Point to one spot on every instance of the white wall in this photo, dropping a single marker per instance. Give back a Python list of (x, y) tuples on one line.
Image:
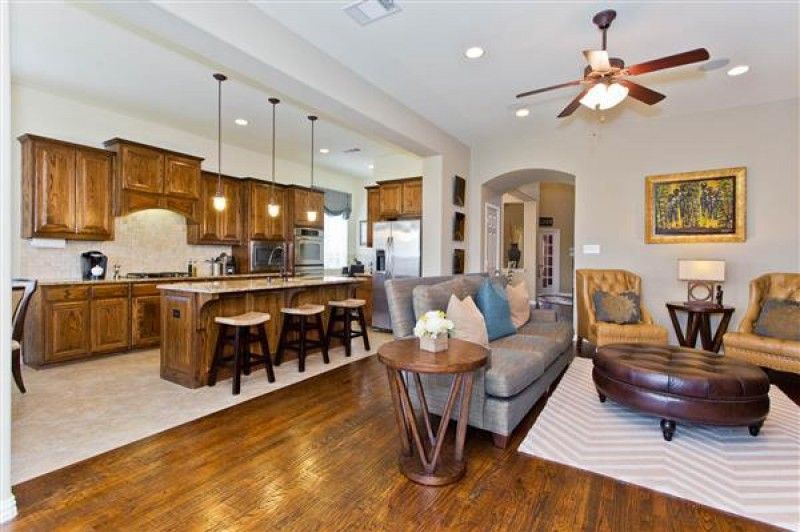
[(151, 240), (610, 162), (8, 506)]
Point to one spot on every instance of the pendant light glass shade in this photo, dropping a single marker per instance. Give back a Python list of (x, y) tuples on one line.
[(273, 208), (311, 215), (219, 202)]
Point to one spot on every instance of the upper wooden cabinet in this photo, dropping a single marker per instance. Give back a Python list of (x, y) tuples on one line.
[(304, 200), (148, 177), (412, 198), (260, 225), (66, 190), (391, 199), (215, 227)]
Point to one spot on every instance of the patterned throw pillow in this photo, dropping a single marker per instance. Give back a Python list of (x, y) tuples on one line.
[(493, 304), (779, 318), (617, 308)]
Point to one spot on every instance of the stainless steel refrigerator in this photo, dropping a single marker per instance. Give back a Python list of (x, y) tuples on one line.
[(398, 254)]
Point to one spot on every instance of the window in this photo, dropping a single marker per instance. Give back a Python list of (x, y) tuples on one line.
[(335, 242)]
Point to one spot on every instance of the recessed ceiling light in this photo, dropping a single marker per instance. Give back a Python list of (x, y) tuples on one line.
[(324, 150), (738, 70), (474, 52), (371, 166), (522, 113), (241, 122)]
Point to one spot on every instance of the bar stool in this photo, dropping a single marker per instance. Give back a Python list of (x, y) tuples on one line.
[(347, 311), (299, 319), (242, 338)]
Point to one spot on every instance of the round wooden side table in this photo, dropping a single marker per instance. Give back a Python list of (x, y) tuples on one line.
[(425, 463)]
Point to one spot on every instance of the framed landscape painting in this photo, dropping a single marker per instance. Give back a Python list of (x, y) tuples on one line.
[(458, 261), (706, 206), (459, 191)]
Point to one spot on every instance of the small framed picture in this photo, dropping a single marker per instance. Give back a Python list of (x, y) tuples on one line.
[(459, 191), (458, 226), (362, 233), (458, 261)]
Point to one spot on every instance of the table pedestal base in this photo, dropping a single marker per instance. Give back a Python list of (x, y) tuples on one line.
[(448, 470)]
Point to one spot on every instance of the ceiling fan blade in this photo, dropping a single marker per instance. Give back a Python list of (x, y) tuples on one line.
[(643, 94), (574, 104), (559, 86), (598, 60), (670, 61)]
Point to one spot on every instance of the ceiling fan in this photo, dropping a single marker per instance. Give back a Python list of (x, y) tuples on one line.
[(605, 84)]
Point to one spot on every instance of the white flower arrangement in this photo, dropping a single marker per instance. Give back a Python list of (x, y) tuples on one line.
[(432, 324)]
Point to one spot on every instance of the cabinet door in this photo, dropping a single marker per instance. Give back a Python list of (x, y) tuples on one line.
[(142, 169), (259, 225), (67, 326), (300, 207), (53, 189), (93, 195), (277, 225), (181, 176), (209, 226), (373, 212), (231, 218), (412, 198), (316, 203), (391, 196), (110, 322), (145, 321)]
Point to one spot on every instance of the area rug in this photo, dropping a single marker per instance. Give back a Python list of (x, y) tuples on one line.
[(721, 467)]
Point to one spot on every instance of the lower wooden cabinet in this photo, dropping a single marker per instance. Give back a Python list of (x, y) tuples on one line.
[(145, 316), (109, 325), (364, 291), (66, 330)]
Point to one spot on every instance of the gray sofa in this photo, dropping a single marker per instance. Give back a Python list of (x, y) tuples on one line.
[(521, 366)]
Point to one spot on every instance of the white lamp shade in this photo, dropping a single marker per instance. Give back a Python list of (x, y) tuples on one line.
[(603, 96), (701, 270)]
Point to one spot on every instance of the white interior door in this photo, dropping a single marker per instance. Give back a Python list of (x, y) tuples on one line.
[(492, 238), (549, 271)]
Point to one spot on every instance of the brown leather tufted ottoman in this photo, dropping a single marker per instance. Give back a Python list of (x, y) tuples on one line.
[(681, 384)]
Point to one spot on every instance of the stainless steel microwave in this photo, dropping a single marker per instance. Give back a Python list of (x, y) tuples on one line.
[(267, 255)]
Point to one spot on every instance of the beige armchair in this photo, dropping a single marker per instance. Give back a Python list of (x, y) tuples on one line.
[(782, 355), (588, 282)]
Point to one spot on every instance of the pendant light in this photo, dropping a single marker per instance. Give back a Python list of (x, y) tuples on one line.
[(311, 215), (219, 200), (273, 209)]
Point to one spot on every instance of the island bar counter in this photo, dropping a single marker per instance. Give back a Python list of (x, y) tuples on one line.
[(188, 331)]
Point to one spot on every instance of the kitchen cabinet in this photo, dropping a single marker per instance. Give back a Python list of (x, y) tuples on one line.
[(66, 190), (145, 315), (217, 227), (148, 177), (261, 226), (364, 291), (67, 331), (373, 211), (109, 319), (391, 199), (304, 200), (412, 198)]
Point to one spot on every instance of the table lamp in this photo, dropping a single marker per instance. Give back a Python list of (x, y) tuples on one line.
[(701, 276)]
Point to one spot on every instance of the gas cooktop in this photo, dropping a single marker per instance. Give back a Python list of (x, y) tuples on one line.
[(155, 275)]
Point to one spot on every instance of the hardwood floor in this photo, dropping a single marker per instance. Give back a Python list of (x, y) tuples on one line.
[(323, 455)]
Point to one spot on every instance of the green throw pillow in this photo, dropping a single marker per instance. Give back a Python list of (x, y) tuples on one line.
[(779, 318), (617, 308)]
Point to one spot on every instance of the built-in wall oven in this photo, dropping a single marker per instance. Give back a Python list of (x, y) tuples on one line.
[(309, 252), (267, 256)]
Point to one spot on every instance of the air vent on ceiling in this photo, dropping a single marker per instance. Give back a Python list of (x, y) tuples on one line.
[(352, 150), (367, 11)]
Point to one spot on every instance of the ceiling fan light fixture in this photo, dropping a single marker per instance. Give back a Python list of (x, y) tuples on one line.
[(603, 96)]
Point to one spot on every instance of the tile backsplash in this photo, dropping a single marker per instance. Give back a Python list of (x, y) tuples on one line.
[(146, 241)]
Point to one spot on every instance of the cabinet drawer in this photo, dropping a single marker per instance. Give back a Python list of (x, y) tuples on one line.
[(66, 293), (114, 290), (145, 289)]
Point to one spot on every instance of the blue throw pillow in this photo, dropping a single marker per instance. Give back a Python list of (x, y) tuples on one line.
[(493, 304)]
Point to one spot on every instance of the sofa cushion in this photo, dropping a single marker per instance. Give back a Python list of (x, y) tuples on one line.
[(516, 362), (617, 308), (491, 300), (468, 322), (561, 332), (779, 318), (519, 302), (435, 296)]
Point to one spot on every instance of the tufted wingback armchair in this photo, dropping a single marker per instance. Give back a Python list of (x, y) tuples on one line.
[(588, 282), (783, 355)]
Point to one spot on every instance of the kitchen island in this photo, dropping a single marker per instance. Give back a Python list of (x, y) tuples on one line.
[(188, 331)]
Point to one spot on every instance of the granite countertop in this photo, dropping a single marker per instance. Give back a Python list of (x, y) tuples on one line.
[(251, 285), (62, 282)]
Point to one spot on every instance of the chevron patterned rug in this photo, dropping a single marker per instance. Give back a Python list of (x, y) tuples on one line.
[(724, 468)]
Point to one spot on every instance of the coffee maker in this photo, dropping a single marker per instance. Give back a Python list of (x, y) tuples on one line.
[(93, 266)]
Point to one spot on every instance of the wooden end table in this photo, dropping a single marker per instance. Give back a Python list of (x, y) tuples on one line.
[(429, 465), (699, 320)]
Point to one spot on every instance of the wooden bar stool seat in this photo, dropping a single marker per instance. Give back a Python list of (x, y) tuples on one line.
[(242, 338), (347, 311), (302, 320)]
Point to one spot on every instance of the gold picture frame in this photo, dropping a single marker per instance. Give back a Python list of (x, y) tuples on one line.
[(696, 207)]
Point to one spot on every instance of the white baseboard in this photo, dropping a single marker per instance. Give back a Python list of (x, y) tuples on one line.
[(8, 509)]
